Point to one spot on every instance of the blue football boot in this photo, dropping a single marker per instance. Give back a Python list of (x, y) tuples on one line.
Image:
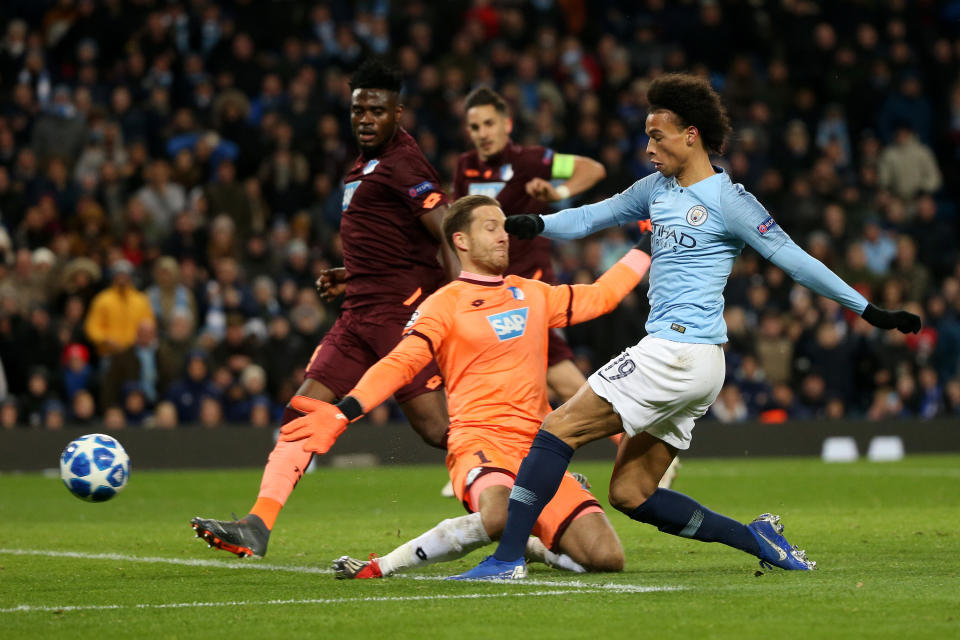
[(493, 569), (775, 551)]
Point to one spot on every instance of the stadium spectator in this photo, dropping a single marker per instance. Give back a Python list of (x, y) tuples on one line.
[(188, 392), (168, 295), (907, 167), (83, 409), (54, 415), (211, 412), (9, 414), (114, 419), (34, 402), (137, 365), (174, 346), (116, 312), (77, 373), (729, 406), (165, 415)]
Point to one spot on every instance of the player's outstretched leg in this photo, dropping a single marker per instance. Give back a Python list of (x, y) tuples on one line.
[(287, 463), (634, 491), (451, 539)]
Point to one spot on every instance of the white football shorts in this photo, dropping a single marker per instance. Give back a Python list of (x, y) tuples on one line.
[(661, 387)]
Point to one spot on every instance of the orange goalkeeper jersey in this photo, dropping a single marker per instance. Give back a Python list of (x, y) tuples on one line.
[(489, 338)]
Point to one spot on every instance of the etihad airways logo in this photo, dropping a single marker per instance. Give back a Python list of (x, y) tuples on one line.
[(509, 324), (672, 238)]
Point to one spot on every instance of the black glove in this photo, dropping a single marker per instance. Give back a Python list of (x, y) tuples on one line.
[(904, 321), (644, 243), (526, 226)]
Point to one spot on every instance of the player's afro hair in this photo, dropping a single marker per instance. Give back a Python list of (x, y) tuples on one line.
[(376, 73), (695, 103)]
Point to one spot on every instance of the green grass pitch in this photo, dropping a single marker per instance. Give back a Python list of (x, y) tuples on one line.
[(886, 537)]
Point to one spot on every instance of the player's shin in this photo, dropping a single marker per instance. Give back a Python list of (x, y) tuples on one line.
[(537, 481), (451, 539), (285, 466), (681, 515)]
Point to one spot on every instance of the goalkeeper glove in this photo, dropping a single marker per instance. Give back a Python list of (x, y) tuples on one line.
[(321, 425), (903, 321), (525, 226)]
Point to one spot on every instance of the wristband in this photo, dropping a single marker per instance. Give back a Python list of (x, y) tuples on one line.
[(563, 191)]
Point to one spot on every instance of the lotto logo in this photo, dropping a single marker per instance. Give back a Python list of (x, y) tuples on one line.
[(509, 324)]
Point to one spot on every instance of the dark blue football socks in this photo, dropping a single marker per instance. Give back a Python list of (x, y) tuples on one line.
[(537, 480), (680, 515)]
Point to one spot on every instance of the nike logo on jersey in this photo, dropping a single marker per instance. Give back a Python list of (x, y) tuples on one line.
[(776, 547), (509, 324)]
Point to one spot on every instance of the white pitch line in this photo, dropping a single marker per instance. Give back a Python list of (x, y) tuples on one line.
[(27, 608), (258, 566), (193, 562), (580, 584)]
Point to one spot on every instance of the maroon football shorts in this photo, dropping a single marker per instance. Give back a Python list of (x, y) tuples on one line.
[(357, 340)]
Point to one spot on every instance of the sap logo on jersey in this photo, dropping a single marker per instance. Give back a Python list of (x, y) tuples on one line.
[(509, 324)]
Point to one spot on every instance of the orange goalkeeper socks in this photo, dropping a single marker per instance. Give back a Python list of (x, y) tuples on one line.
[(267, 509)]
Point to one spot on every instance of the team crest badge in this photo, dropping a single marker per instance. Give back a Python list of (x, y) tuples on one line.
[(697, 215), (515, 292), (370, 166), (506, 172)]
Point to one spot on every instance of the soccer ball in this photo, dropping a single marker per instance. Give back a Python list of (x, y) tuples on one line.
[(94, 467)]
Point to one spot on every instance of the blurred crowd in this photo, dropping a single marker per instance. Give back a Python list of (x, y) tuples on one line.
[(170, 186)]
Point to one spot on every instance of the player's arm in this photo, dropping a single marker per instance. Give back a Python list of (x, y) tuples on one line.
[(746, 218), (578, 222), (324, 422), (433, 221), (573, 304), (580, 173)]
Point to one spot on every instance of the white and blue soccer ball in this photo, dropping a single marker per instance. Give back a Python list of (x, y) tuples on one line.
[(95, 467)]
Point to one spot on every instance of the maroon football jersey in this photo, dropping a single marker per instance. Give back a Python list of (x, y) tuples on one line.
[(504, 176), (388, 253)]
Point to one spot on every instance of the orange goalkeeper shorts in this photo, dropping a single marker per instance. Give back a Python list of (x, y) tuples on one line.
[(471, 458)]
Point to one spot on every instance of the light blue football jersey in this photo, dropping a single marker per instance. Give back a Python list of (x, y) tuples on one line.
[(698, 232)]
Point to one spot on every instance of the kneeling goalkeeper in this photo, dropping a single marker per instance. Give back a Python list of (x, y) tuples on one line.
[(489, 335)]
